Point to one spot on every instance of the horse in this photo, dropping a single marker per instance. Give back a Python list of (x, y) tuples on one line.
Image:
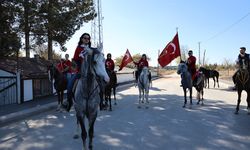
[(242, 82), (87, 97), (199, 86), (186, 81), (210, 74), (60, 83), (143, 86), (108, 88)]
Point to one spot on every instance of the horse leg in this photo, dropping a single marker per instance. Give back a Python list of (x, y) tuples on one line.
[(58, 101), (208, 82), (76, 136), (185, 98), (143, 96), (84, 133), (190, 97), (109, 98), (139, 106), (238, 102), (248, 102), (214, 81), (146, 97), (198, 97), (91, 129), (101, 100), (114, 92), (218, 81), (202, 100)]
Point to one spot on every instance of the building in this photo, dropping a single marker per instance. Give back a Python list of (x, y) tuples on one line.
[(28, 84)]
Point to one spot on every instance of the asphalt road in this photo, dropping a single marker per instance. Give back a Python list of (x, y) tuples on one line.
[(165, 125)]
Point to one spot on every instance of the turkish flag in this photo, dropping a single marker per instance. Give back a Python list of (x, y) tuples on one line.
[(126, 59), (170, 52)]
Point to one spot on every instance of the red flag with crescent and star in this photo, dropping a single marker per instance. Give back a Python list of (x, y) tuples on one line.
[(170, 52), (126, 59)]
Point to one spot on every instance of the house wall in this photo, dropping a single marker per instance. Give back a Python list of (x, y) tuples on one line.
[(28, 90)]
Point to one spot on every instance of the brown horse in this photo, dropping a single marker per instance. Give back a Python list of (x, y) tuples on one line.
[(210, 74), (60, 83), (242, 82), (108, 88)]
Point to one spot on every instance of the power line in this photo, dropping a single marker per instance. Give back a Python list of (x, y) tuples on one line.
[(229, 27)]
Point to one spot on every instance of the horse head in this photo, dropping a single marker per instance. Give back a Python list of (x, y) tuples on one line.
[(182, 68), (94, 64)]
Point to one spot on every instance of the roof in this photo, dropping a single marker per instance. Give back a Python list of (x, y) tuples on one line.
[(29, 67)]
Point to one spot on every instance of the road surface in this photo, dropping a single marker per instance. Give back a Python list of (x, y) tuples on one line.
[(165, 125)]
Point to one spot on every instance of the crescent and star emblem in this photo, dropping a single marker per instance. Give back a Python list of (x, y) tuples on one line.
[(173, 45)]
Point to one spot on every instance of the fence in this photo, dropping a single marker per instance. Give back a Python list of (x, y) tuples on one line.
[(9, 91)]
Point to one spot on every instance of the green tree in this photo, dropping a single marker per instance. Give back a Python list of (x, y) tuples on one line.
[(10, 41), (60, 19)]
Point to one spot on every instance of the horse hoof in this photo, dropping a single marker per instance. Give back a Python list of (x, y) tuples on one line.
[(138, 106), (115, 103), (75, 136), (142, 101), (236, 113), (147, 107), (183, 106)]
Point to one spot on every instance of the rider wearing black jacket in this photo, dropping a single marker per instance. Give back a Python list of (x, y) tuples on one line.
[(242, 61)]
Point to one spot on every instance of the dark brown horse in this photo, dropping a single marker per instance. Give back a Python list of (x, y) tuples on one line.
[(210, 74), (60, 83), (109, 87), (242, 82), (199, 86)]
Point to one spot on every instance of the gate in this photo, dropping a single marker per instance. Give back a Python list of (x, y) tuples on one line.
[(8, 90)]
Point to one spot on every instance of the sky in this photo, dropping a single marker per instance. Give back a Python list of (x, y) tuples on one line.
[(146, 26)]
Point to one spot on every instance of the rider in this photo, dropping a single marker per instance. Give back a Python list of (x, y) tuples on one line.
[(109, 63), (191, 61), (242, 62), (142, 63), (67, 68), (60, 66), (83, 44)]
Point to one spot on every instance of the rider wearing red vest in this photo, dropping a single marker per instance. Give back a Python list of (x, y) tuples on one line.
[(191, 61), (60, 66), (142, 63), (84, 42), (109, 63)]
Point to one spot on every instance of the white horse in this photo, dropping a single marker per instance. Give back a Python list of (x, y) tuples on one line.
[(87, 97), (186, 81), (143, 85)]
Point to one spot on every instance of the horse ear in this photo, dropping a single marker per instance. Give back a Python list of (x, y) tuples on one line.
[(182, 61)]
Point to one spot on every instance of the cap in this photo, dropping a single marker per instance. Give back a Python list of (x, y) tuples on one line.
[(243, 48)]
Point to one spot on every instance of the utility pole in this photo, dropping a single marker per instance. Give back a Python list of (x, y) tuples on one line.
[(204, 57), (97, 28), (199, 43)]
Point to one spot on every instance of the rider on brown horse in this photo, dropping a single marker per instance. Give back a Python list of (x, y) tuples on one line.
[(242, 62)]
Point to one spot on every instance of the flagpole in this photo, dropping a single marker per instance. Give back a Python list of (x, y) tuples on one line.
[(180, 50), (158, 66)]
